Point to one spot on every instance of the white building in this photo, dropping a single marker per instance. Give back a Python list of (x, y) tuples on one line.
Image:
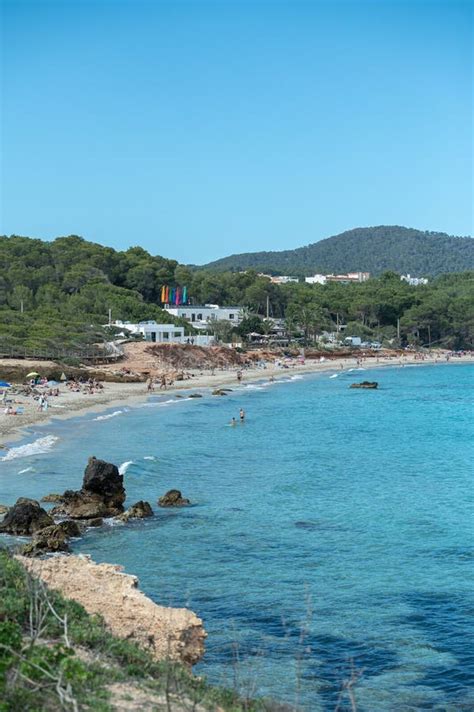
[(202, 316), (414, 281), (316, 279), (151, 331), (162, 333), (283, 279), (341, 278)]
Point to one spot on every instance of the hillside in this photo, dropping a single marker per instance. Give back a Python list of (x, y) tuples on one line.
[(371, 249)]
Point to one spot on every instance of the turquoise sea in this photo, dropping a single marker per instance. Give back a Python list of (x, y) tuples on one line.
[(331, 532)]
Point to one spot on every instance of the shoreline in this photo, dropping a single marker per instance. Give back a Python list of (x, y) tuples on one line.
[(14, 428)]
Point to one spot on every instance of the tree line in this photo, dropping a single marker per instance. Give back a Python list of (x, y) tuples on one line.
[(59, 293)]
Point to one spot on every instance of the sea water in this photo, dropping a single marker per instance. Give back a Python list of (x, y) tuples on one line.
[(330, 539)]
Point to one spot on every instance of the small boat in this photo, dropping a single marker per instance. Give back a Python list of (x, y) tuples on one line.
[(365, 384)]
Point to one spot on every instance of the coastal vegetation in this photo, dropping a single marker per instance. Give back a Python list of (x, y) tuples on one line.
[(54, 655), (59, 295), (368, 249)]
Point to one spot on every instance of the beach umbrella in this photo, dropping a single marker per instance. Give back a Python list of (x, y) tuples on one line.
[(4, 384), (32, 374), (63, 376)]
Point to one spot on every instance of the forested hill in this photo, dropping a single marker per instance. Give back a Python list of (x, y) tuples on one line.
[(369, 249)]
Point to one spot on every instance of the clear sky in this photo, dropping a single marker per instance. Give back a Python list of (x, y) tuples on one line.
[(198, 129)]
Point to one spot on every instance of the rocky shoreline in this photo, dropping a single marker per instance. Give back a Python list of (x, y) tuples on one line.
[(175, 634)]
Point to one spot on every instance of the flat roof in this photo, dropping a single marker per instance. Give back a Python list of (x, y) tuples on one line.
[(196, 306)]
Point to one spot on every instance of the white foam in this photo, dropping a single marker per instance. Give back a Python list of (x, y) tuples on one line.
[(149, 457), (296, 378), (164, 404), (37, 447), (124, 466), (174, 400), (27, 469), (334, 375), (109, 415)]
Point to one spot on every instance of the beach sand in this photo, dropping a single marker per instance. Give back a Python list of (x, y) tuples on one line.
[(69, 404)]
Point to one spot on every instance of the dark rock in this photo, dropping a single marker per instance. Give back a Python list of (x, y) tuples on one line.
[(25, 517), (84, 505), (52, 498), (71, 528), (195, 395), (97, 522), (102, 493), (51, 539), (219, 392), (173, 498), (4, 509), (103, 478), (365, 384), (139, 510)]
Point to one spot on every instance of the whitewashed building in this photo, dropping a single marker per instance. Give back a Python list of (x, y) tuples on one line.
[(202, 316), (283, 279), (162, 333), (341, 278), (316, 279), (414, 281)]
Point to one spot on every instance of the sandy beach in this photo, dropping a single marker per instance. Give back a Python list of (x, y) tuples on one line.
[(69, 404)]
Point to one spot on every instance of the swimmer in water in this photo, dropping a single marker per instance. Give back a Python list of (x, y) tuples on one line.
[(233, 421), (242, 415)]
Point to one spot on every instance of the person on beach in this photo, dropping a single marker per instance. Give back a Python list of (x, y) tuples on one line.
[(242, 415), (239, 376), (163, 383)]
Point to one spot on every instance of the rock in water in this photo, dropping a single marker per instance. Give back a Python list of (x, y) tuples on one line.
[(365, 384), (4, 509), (52, 497), (139, 510), (173, 498), (25, 517), (102, 493), (52, 539), (167, 633), (71, 528), (97, 522), (104, 478)]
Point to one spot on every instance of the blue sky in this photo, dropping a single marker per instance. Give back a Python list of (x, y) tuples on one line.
[(198, 129)]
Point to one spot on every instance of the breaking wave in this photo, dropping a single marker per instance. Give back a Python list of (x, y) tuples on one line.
[(124, 466), (37, 447), (109, 415)]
